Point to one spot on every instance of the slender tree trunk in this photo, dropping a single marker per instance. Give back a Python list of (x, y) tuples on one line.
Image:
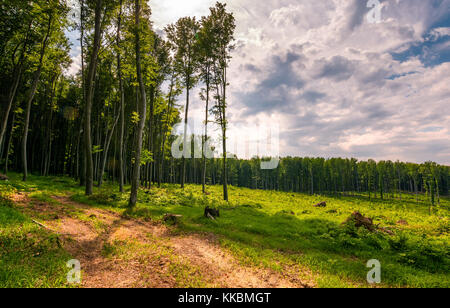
[(150, 135), (142, 112), (48, 137), (27, 123), (122, 104), (224, 136), (185, 151), (106, 150), (36, 76), (89, 164), (206, 134), (225, 167), (437, 192), (48, 152), (416, 191), (81, 151), (8, 145), (164, 133)]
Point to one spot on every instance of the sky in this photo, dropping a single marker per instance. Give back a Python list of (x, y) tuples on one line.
[(333, 81)]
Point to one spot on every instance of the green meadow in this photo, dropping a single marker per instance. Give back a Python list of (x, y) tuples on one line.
[(268, 229)]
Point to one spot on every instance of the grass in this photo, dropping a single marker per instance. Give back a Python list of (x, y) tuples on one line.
[(279, 230), (284, 232), (29, 256)]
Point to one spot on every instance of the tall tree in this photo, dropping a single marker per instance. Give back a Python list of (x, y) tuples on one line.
[(90, 95), (223, 26), (206, 59), (32, 92), (141, 111), (122, 99), (18, 36), (182, 37)]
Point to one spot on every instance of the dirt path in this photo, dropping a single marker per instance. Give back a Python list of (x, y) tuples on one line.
[(115, 251)]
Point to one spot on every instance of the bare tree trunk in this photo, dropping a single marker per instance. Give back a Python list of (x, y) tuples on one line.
[(141, 111), (89, 98)]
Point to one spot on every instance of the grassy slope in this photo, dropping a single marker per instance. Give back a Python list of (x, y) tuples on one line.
[(283, 231)]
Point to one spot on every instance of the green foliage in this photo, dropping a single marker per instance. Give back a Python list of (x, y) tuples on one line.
[(182, 40), (146, 157), (96, 149)]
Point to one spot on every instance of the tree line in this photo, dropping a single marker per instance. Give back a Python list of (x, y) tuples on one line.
[(333, 176), (113, 120)]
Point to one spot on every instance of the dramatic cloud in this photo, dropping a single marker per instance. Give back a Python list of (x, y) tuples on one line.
[(336, 84)]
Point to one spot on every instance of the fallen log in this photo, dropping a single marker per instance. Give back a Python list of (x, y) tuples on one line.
[(3, 177), (47, 228), (41, 225)]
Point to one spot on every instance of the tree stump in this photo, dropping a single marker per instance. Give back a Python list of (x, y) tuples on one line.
[(321, 204), (360, 221), (211, 213), (171, 218)]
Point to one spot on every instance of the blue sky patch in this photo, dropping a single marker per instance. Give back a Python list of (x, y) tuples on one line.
[(432, 51)]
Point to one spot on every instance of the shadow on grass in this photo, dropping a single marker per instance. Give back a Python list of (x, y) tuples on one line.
[(29, 256), (323, 245)]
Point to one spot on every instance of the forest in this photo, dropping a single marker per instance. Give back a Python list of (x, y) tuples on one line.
[(105, 135)]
